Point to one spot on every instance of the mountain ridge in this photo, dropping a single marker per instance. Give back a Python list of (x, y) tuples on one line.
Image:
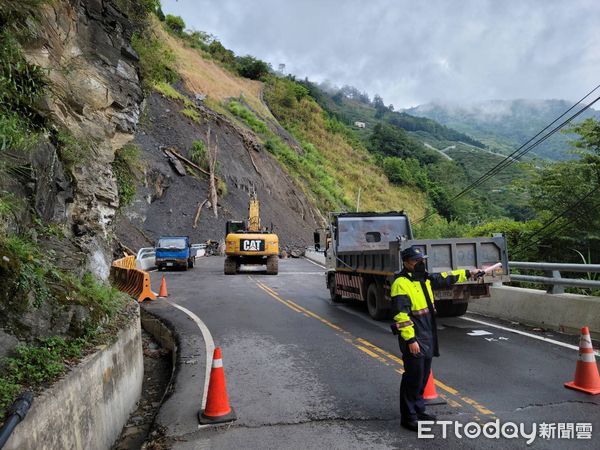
[(504, 125)]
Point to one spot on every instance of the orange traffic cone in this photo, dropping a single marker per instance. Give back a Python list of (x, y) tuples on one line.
[(586, 372), (217, 409), (430, 394), (163, 288)]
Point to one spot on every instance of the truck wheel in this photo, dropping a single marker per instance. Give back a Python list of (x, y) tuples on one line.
[(448, 309), (374, 303), (272, 265), (335, 297), (191, 263), (231, 266), (459, 309)]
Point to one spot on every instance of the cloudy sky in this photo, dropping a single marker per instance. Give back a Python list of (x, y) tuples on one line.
[(415, 51)]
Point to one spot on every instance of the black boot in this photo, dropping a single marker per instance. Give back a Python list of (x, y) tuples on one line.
[(411, 425)]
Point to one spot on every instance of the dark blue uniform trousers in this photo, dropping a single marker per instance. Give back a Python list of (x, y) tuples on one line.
[(414, 379)]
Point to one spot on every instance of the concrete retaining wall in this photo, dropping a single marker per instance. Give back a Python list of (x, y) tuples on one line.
[(563, 312), (89, 407)]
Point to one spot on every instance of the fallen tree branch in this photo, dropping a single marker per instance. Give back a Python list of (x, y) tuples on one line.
[(197, 216), (188, 162), (212, 164), (252, 160)]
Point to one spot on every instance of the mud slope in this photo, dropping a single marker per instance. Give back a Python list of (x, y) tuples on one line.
[(166, 203)]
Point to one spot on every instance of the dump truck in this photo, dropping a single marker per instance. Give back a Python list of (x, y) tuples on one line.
[(174, 251), (362, 253), (248, 243)]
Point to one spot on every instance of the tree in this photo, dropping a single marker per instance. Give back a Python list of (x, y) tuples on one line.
[(160, 14), (250, 67), (220, 53), (175, 23), (393, 141), (380, 108), (568, 193), (213, 150)]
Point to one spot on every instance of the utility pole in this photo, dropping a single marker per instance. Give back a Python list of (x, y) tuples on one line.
[(358, 200)]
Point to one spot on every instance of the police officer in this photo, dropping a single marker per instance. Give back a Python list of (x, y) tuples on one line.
[(415, 323)]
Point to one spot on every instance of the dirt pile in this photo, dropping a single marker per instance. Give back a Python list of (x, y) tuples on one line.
[(166, 202)]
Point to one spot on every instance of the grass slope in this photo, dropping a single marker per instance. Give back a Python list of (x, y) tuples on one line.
[(201, 75), (331, 166)]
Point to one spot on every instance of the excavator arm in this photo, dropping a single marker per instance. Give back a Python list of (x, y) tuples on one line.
[(254, 214)]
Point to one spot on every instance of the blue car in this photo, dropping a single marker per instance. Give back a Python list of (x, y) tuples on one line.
[(174, 251)]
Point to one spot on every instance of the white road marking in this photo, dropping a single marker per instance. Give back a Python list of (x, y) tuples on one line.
[(315, 263), (208, 342), (479, 333), (524, 333)]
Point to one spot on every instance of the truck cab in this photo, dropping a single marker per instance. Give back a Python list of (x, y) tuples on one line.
[(174, 252)]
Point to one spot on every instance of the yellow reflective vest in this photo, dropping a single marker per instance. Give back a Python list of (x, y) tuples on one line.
[(409, 294)]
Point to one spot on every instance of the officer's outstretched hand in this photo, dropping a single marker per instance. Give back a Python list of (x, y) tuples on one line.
[(414, 348), (476, 274)]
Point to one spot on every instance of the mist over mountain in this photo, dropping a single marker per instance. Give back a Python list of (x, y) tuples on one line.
[(503, 125)]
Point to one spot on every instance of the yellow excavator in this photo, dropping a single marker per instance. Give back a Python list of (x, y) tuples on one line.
[(248, 243)]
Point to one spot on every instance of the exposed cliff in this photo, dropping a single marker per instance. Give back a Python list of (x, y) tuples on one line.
[(94, 93), (70, 97)]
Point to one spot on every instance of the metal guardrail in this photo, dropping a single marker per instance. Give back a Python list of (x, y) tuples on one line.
[(556, 283)]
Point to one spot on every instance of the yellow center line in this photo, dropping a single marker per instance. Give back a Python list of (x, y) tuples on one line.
[(377, 353), (279, 300)]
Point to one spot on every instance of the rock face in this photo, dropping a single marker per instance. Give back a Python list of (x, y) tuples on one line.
[(95, 94)]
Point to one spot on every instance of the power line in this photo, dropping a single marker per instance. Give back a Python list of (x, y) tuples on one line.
[(512, 159), (546, 225), (523, 149)]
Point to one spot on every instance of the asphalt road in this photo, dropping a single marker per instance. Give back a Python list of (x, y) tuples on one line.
[(305, 373)]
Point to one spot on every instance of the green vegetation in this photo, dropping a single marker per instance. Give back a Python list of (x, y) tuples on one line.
[(72, 151), (221, 188), (257, 125), (503, 125), (26, 271), (405, 172), (199, 154), (250, 67), (28, 280), (403, 138), (305, 167), (175, 24), (348, 105), (126, 167), (34, 364), (393, 141), (156, 60), (191, 114), (138, 10), (170, 92), (21, 86), (245, 66), (333, 160)]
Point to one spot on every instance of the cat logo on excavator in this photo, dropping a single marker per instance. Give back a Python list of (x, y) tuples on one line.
[(253, 245)]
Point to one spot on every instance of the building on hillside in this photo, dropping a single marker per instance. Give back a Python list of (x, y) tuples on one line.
[(360, 124)]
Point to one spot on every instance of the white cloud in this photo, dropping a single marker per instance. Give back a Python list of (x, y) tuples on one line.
[(412, 51)]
